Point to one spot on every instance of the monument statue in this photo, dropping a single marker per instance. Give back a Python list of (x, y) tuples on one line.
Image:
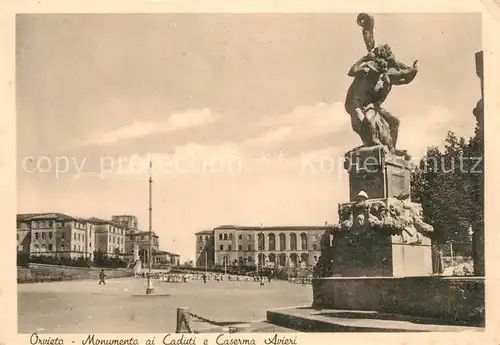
[(374, 75), (380, 232)]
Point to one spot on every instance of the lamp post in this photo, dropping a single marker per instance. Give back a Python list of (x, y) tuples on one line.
[(150, 289), (262, 250)]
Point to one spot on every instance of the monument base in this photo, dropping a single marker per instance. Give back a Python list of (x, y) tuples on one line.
[(380, 256), (453, 299), (306, 319)]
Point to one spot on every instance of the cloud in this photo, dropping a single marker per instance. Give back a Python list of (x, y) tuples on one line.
[(430, 128), (302, 123), (139, 129)]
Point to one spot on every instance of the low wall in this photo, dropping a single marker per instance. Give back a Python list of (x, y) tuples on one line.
[(454, 299), (43, 272)]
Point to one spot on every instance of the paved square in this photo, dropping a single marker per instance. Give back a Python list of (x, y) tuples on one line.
[(86, 307)]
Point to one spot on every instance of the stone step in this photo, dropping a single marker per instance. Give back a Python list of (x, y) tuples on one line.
[(306, 319), (251, 327)]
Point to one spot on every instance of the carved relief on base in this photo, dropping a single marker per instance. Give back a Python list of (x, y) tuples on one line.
[(387, 216)]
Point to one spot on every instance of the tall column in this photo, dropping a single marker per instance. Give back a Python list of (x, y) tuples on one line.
[(478, 226)]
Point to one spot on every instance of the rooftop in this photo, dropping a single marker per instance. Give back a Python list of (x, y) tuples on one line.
[(99, 221), (274, 228), (139, 232), (37, 216), (163, 252), (204, 232)]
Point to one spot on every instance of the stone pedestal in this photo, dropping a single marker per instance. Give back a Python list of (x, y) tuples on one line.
[(380, 256), (384, 235), (378, 172)]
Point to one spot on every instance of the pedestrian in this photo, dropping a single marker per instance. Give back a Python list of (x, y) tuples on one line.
[(261, 280), (204, 278), (102, 277)]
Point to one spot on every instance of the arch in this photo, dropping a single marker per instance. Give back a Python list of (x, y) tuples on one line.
[(293, 241), (282, 238), (273, 259), (225, 236), (261, 260), (225, 260), (304, 258), (272, 241), (260, 239), (230, 236), (294, 259), (282, 259), (303, 241)]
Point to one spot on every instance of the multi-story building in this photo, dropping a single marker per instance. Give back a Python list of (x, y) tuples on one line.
[(129, 221), (24, 232), (141, 240), (109, 237), (272, 246), (205, 248), (57, 234)]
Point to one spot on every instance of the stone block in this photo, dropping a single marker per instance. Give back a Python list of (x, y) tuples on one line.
[(456, 299), (380, 255), (378, 172)]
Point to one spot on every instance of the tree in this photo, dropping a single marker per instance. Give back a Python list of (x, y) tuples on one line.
[(448, 185)]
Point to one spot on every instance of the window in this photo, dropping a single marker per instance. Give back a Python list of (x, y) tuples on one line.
[(249, 259), (225, 236), (62, 248), (221, 247), (220, 236), (201, 238), (229, 247), (50, 235), (44, 248), (249, 237), (206, 238), (249, 247), (43, 235), (37, 248), (240, 247), (50, 247), (90, 244), (37, 236), (230, 236), (240, 237), (74, 236)]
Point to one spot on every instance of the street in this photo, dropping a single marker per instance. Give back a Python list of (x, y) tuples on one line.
[(120, 306)]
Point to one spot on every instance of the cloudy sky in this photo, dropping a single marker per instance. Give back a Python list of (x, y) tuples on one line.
[(242, 115)]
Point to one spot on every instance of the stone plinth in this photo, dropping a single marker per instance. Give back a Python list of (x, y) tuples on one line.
[(380, 255), (378, 172), (456, 299)]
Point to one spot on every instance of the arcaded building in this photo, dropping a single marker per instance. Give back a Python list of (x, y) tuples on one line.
[(272, 246)]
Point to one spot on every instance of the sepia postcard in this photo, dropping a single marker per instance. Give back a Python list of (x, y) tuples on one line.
[(242, 173)]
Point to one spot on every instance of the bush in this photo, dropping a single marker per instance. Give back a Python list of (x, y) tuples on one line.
[(63, 261), (104, 261)]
